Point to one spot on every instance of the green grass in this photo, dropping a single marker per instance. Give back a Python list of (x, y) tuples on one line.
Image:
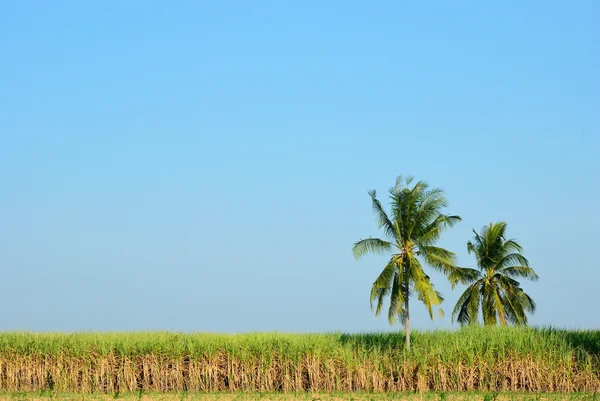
[(466, 343), (532, 359)]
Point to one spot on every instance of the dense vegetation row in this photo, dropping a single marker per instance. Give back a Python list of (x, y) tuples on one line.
[(479, 358)]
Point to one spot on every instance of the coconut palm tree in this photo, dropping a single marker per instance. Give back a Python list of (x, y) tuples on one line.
[(494, 288), (411, 230)]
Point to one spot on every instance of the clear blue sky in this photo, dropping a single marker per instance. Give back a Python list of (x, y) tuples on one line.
[(204, 166)]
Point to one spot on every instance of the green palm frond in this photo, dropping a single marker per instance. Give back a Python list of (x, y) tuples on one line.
[(443, 260), (446, 221), (488, 307), (430, 233), (384, 280), (520, 271), (511, 245), (427, 210), (379, 294), (528, 303), (423, 287), (382, 218), (472, 248), (499, 306), (495, 232), (402, 182), (430, 236), (396, 300), (399, 215), (512, 287), (512, 258), (503, 279), (462, 313), (382, 286), (473, 305), (510, 294), (427, 294), (372, 245), (463, 275)]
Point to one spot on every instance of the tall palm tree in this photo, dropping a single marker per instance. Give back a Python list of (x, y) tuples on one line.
[(411, 231), (494, 287)]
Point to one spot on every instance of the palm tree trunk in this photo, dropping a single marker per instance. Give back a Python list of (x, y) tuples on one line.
[(407, 320)]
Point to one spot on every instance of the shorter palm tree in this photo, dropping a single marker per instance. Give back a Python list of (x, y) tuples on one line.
[(494, 287)]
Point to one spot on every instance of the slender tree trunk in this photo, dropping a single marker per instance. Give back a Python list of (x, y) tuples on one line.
[(407, 319)]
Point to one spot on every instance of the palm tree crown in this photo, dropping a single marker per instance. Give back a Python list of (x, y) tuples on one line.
[(494, 287), (411, 231)]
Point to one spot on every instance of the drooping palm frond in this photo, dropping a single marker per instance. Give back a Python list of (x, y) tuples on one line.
[(396, 300), (520, 271), (371, 245), (513, 305), (513, 289), (423, 287), (382, 286), (488, 305), (528, 302), (464, 307), (510, 259), (473, 305), (463, 275), (472, 248), (439, 258)]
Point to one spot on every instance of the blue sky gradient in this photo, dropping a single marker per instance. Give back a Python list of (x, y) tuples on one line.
[(204, 166)]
